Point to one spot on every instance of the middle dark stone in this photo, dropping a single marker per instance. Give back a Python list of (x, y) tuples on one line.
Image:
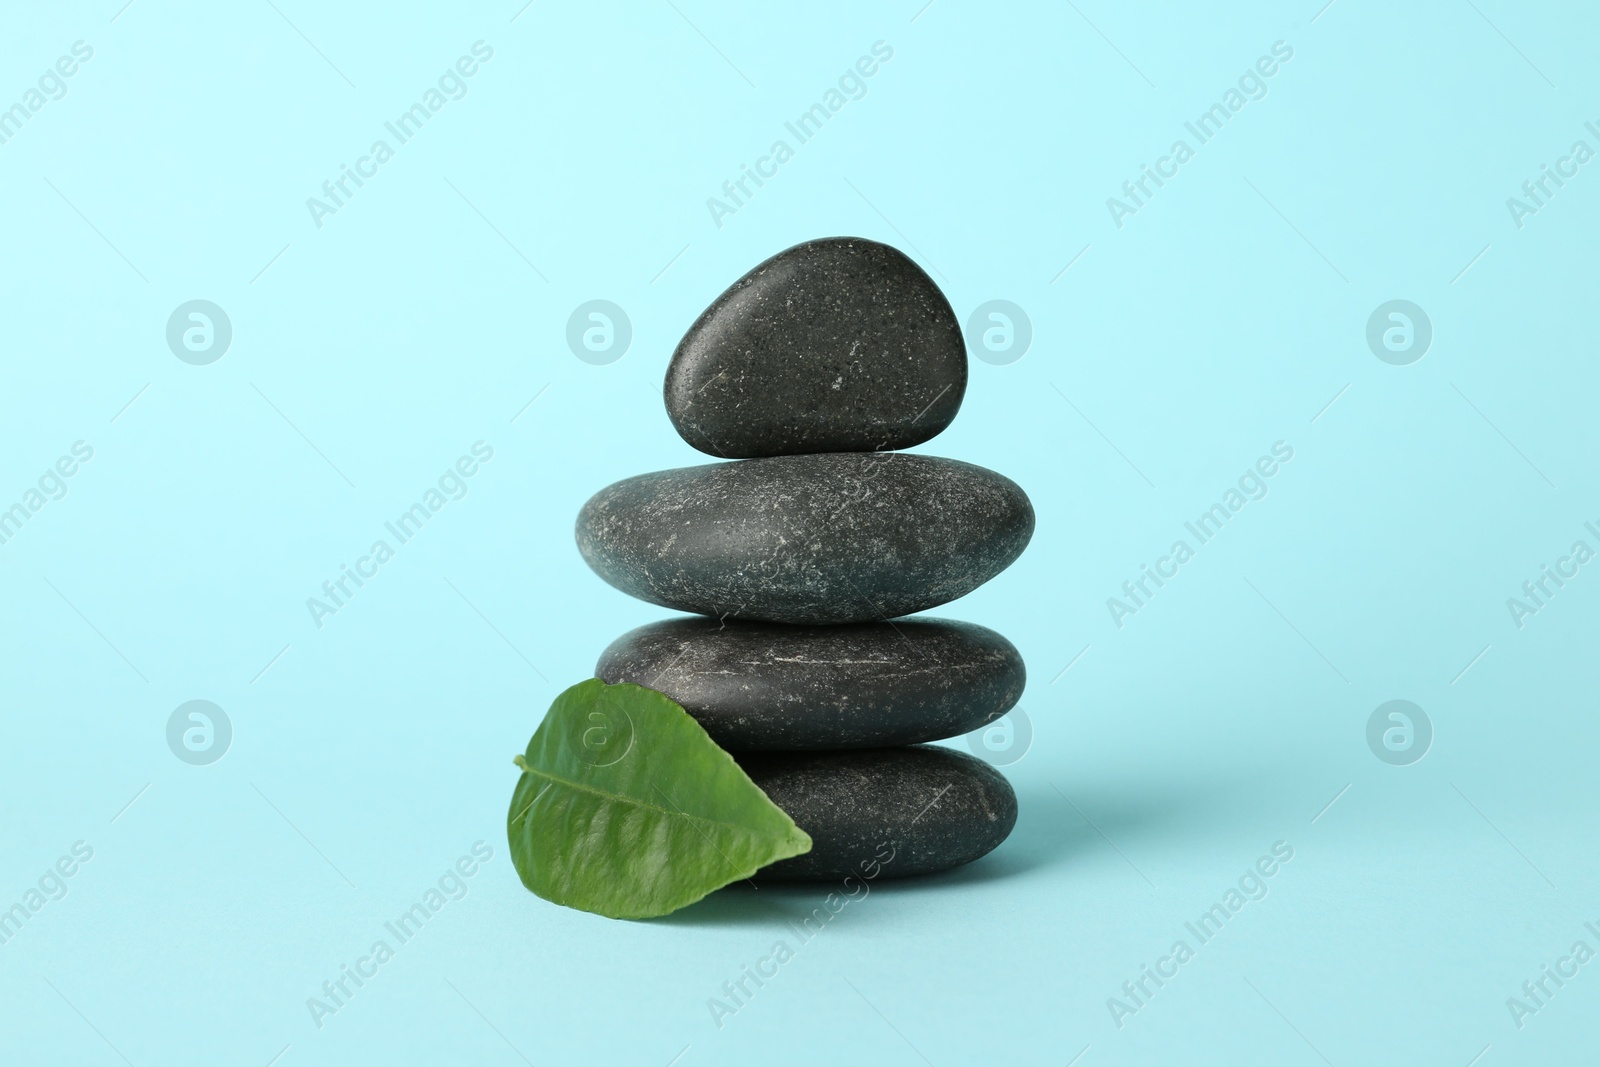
[(831, 538), (769, 687)]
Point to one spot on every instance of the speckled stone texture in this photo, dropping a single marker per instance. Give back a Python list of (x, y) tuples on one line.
[(933, 807), (765, 686), (835, 345), (818, 539)]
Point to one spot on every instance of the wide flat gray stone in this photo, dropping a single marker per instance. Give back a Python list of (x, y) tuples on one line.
[(835, 345), (925, 808), (828, 538), (767, 686)]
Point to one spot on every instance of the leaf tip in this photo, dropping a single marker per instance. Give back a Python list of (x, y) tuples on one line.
[(520, 762)]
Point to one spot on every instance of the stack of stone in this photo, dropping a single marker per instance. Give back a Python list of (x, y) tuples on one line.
[(807, 374)]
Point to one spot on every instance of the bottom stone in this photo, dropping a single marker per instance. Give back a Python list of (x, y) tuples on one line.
[(884, 813)]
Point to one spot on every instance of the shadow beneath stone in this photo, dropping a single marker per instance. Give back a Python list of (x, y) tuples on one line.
[(743, 904), (1052, 832), (1086, 825)]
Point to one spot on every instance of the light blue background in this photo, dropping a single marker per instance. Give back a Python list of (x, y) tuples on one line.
[(370, 353)]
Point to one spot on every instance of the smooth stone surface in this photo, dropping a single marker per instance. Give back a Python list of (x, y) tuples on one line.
[(766, 686), (825, 538), (929, 808), (836, 345)]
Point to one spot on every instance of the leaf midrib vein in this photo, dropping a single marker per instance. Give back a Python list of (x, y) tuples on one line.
[(580, 787)]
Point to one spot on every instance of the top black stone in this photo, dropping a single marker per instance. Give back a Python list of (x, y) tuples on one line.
[(835, 345)]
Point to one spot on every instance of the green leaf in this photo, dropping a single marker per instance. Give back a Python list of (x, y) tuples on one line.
[(626, 807)]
